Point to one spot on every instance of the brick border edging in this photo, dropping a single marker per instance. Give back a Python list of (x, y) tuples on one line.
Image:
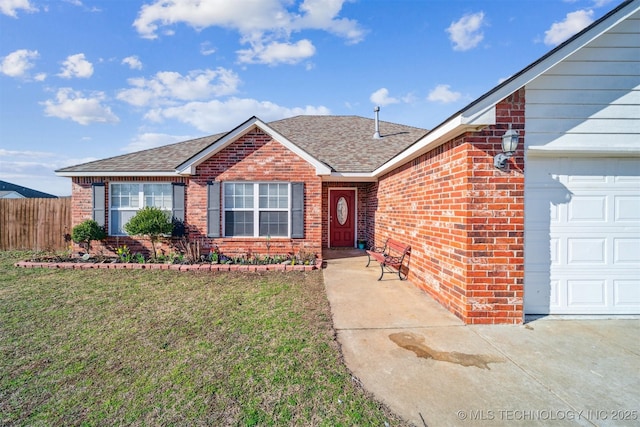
[(173, 267)]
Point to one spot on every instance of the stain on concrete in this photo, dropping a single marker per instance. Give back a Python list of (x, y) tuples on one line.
[(415, 343)]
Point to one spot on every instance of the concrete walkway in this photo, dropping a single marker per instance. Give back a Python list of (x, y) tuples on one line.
[(431, 369)]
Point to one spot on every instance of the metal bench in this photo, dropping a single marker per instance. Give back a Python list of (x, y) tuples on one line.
[(393, 257)]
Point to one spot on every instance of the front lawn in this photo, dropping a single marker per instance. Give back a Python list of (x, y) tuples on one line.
[(150, 347)]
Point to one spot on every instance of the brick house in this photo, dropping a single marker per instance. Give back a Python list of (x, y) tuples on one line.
[(556, 231)]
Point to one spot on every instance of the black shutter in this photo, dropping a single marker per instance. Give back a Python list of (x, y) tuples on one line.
[(98, 192), (177, 209), (178, 201), (213, 209), (297, 210)]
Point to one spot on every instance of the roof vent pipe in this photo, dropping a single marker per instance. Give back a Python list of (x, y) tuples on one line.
[(376, 135)]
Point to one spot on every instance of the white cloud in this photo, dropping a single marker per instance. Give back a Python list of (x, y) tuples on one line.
[(206, 49), (26, 154), (17, 63), (76, 66), (217, 116), (265, 25), (443, 94), (35, 169), (169, 86), (275, 53), (10, 7), (152, 140), (73, 105), (322, 15), (381, 97), (133, 62), (466, 32), (572, 24)]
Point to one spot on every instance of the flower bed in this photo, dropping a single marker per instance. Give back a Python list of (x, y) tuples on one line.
[(217, 263), (175, 267)]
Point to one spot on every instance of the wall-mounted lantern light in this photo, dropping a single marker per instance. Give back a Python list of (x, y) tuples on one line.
[(509, 146)]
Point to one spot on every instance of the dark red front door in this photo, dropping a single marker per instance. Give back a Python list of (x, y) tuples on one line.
[(342, 221)]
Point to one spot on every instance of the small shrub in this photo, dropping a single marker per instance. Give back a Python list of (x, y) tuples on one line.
[(86, 232), (151, 222)]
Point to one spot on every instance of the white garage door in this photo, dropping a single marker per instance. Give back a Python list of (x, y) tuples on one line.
[(582, 236)]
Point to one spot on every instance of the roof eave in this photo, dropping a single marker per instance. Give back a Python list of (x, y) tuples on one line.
[(71, 174), (447, 131), (350, 177)]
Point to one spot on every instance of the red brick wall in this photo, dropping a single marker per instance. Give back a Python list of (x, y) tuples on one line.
[(254, 157), (464, 220), (82, 209), (257, 157)]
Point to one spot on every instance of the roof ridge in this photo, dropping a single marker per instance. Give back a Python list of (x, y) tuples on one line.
[(343, 116)]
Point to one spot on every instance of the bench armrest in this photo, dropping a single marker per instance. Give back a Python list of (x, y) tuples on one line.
[(393, 260)]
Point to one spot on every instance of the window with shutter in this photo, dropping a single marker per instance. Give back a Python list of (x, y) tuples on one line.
[(126, 199), (263, 209)]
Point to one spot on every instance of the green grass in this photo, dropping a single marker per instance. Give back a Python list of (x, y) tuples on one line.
[(145, 347)]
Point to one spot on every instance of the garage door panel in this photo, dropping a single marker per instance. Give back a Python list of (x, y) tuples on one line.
[(586, 251), (587, 209), (546, 292), (627, 208), (591, 293), (554, 251), (541, 210), (626, 251), (626, 171), (626, 293), (582, 238)]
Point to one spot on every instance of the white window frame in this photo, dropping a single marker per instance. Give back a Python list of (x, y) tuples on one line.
[(141, 202), (256, 208)]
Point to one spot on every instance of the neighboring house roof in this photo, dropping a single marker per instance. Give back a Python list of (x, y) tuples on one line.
[(10, 195), (343, 144), (8, 189)]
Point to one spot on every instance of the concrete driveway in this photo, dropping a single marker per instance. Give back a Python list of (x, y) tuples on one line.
[(431, 369)]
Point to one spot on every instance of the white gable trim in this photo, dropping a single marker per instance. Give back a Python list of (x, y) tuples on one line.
[(189, 167), (481, 113)]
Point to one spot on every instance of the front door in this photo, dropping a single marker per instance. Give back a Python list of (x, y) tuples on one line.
[(342, 218)]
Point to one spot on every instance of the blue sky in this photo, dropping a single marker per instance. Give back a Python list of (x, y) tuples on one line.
[(82, 80)]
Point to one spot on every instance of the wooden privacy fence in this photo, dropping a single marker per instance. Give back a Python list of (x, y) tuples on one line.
[(34, 224)]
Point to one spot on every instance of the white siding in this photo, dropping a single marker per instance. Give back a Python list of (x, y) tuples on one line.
[(591, 100)]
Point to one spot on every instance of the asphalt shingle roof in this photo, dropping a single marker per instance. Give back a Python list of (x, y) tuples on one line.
[(344, 143), (161, 159)]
